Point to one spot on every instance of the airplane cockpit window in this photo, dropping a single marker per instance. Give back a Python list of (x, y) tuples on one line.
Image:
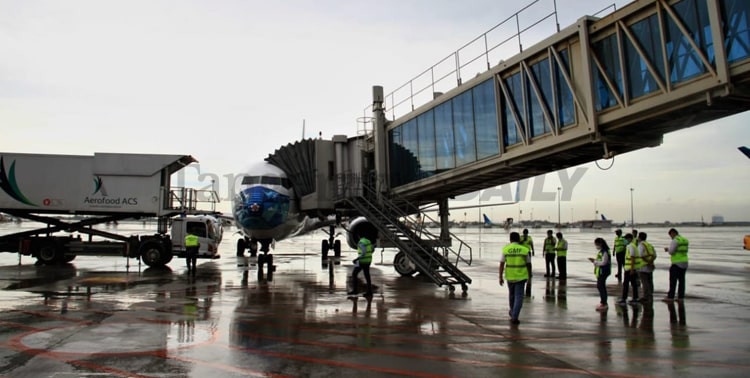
[(248, 180), (268, 180)]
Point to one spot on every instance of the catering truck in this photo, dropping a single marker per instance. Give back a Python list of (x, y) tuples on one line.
[(71, 195)]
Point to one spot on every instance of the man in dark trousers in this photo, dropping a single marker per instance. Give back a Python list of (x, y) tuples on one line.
[(191, 250), (362, 263)]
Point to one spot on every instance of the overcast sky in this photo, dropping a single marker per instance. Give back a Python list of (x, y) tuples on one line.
[(231, 81)]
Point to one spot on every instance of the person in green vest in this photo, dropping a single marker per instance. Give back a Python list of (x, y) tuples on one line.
[(619, 251), (362, 264), (562, 256), (633, 263), (512, 268), (528, 242), (646, 273), (678, 252), (549, 253), (602, 270), (191, 250)]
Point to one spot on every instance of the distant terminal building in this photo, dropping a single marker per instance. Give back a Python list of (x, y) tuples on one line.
[(717, 219)]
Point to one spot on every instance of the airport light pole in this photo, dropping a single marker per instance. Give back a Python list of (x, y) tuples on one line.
[(632, 222), (559, 225)]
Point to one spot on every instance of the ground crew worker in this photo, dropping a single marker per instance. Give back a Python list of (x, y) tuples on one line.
[(646, 273), (562, 256), (633, 263), (362, 263), (678, 251), (515, 256), (549, 253), (528, 242), (602, 270), (619, 246), (191, 250)]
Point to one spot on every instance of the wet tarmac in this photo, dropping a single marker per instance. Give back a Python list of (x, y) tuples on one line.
[(99, 317)]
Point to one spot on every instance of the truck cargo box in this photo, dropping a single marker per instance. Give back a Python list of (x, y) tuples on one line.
[(104, 183)]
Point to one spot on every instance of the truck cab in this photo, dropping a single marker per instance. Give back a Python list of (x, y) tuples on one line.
[(207, 228)]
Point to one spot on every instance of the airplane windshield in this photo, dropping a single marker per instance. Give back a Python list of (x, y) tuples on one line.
[(267, 180)]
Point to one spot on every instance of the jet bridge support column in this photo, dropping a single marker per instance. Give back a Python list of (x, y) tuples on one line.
[(381, 141), (443, 213)]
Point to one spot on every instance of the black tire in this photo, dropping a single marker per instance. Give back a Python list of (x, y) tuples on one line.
[(324, 247), (241, 247), (69, 258), (152, 254), (48, 254), (402, 265), (167, 257), (337, 248)]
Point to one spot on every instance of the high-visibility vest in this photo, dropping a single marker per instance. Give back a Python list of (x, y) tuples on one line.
[(549, 245), (367, 258), (620, 244), (562, 248), (598, 269), (629, 258), (515, 262), (681, 253), (650, 251), (191, 240), (526, 241)]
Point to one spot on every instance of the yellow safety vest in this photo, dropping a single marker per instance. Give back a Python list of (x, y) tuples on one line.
[(549, 245), (619, 244), (650, 251), (680, 255), (630, 258), (560, 245), (367, 258), (515, 262), (191, 240), (598, 269)]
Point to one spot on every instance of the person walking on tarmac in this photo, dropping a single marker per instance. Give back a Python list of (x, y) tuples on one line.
[(362, 263), (619, 252), (549, 253), (191, 250), (602, 270), (562, 256), (528, 242), (678, 251), (515, 256)]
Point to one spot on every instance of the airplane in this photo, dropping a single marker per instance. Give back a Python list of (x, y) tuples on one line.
[(266, 210), (488, 223)]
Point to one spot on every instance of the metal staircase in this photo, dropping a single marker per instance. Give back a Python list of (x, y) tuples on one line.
[(424, 249)]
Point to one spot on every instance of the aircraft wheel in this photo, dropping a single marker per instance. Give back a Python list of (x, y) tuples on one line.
[(241, 247), (152, 254), (337, 248), (403, 265), (324, 249), (48, 254)]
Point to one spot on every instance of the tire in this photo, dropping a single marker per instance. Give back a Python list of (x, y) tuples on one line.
[(241, 247), (152, 254), (48, 254), (324, 249), (69, 258), (337, 248), (402, 265)]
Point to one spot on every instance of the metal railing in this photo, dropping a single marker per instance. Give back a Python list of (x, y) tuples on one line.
[(191, 200)]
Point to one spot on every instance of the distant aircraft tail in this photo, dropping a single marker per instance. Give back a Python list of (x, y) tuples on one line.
[(745, 151), (603, 217), (487, 220)]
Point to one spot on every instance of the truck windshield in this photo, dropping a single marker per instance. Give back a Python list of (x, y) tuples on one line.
[(197, 228)]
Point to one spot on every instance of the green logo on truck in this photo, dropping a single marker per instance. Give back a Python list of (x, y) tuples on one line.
[(9, 185)]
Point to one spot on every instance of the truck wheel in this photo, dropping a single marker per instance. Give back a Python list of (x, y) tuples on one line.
[(48, 254), (324, 247), (167, 257), (152, 254), (402, 264)]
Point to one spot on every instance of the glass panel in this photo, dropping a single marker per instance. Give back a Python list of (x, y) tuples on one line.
[(640, 80), (565, 104), (463, 127), (396, 152), (607, 52), (736, 22), (684, 62), (485, 119), (426, 131), (541, 74), (444, 137), (411, 150), (249, 180), (511, 135)]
